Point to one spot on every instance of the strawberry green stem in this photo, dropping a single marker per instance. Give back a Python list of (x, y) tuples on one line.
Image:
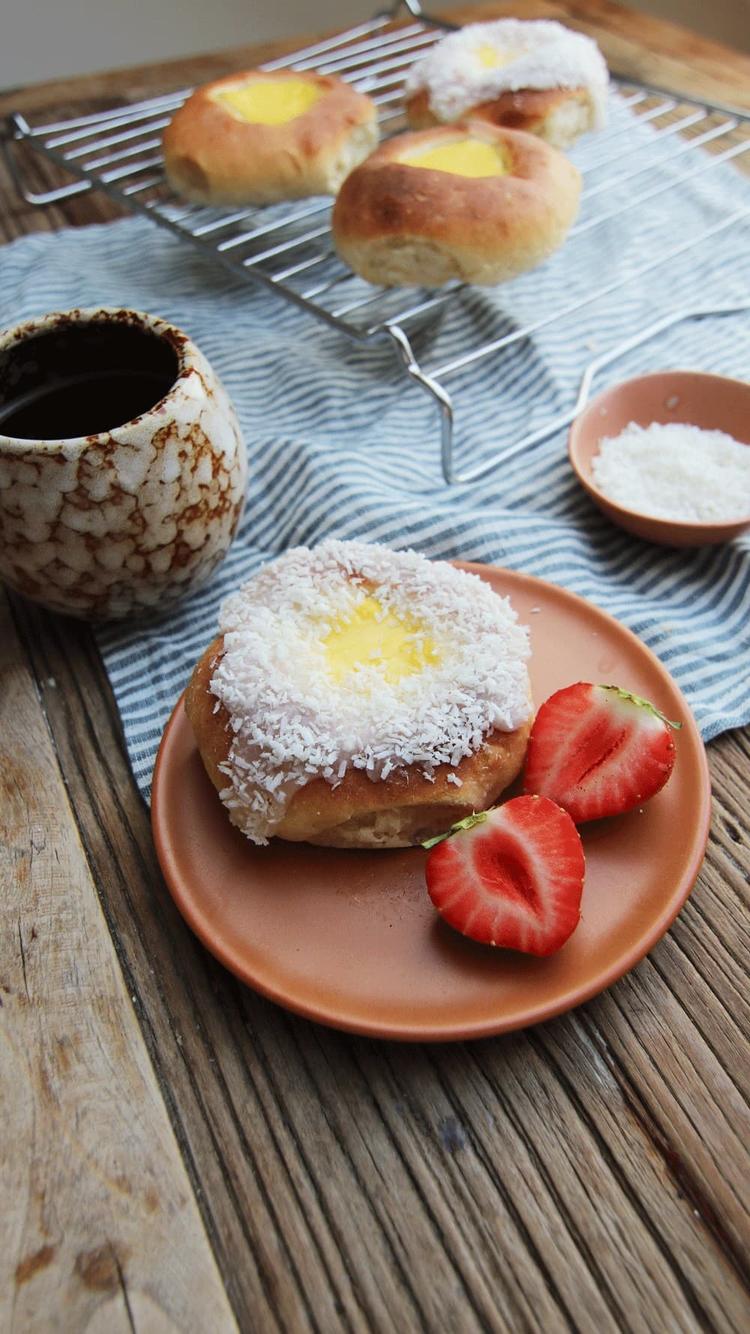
[(468, 822)]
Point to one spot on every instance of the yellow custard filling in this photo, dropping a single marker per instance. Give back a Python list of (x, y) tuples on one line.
[(490, 57), (461, 157), (270, 101), (373, 636)]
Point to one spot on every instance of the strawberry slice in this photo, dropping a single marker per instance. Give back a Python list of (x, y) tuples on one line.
[(598, 750), (512, 876)]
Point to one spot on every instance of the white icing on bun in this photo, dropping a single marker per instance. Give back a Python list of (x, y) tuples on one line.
[(537, 54), (296, 715)]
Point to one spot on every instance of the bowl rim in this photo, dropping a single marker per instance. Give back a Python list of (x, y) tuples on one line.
[(34, 326), (588, 484)]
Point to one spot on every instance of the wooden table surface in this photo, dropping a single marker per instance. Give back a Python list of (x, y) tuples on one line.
[(178, 1153)]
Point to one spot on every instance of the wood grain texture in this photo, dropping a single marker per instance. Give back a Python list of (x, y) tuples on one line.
[(99, 1223), (635, 44), (591, 1174)]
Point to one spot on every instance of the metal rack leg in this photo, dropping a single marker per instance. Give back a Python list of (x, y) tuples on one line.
[(445, 402), (593, 368), (436, 392)]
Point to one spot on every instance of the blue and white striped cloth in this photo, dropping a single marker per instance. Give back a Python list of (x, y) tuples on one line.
[(340, 443)]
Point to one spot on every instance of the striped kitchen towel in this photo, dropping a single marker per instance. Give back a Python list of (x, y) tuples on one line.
[(340, 443)]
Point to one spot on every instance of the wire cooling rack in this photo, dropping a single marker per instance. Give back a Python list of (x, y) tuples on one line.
[(289, 249)]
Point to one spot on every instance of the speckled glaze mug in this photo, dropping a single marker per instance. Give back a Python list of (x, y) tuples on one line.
[(122, 465)]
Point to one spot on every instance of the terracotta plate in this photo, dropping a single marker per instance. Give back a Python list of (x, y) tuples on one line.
[(351, 938)]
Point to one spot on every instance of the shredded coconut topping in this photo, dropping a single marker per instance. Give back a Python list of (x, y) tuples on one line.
[(675, 471), (294, 720), (531, 54)]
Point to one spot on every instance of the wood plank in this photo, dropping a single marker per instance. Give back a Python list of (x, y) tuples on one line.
[(99, 1222), (635, 44), (255, 1220), (548, 1180)]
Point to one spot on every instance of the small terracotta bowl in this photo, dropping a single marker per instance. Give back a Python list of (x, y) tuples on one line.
[(710, 402)]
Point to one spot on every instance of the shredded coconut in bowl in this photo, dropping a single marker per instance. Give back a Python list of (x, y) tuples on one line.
[(294, 719), (532, 54), (675, 471)]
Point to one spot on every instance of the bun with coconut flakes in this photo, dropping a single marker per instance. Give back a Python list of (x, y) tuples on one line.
[(361, 698), (532, 75)]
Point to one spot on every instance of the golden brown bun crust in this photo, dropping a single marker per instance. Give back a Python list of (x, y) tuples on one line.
[(213, 157), (557, 115), (395, 812), (395, 223)]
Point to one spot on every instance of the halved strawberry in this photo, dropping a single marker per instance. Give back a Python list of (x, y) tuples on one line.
[(598, 750), (512, 876)]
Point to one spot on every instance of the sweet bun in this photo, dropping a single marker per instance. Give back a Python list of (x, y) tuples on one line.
[(399, 811), (469, 201), (557, 115), (264, 136), (536, 76), (307, 742)]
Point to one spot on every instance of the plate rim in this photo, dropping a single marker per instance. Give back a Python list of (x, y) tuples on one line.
[(493, 1027)]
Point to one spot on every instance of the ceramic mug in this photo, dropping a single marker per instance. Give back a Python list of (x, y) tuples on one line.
[(122, 465)]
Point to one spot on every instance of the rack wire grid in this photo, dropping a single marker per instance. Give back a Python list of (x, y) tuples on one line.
[(289, 248)]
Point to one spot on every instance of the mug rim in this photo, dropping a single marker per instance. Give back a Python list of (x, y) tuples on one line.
[(180, 342)]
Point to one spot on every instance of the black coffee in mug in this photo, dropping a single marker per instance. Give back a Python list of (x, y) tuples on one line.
[(82, 378)]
